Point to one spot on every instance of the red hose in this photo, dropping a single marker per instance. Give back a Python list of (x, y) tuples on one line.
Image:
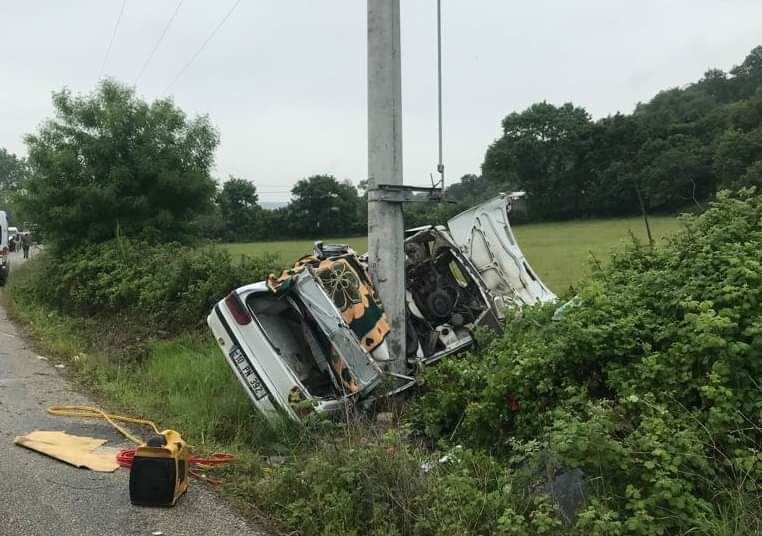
[(124, 459)]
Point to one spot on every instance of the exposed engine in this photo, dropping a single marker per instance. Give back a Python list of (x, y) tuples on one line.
[(444, 302)]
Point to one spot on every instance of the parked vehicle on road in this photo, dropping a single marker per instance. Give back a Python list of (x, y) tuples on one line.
[(5, 265), (313, 338)]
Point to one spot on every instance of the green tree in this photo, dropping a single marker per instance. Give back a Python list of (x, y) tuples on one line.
[(676, 150), (542, 151), (715, 84), (736, 152), (613, 165), (323, 206), (209, 223), (238, 202), (747, 77), (13, 173), (278, 224), (677, 172), (110, 160)]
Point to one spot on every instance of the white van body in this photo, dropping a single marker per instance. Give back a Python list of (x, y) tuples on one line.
[(5, 265), (486, 238)]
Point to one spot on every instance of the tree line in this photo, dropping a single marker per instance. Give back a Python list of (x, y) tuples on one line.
[(673, 152), (320, 206), (108, 163)]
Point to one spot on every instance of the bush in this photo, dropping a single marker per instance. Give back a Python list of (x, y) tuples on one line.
[(650, 383), (109, 160), (363, 482), (167, 287)]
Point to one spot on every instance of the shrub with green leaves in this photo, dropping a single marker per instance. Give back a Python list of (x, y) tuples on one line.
[(108, 160), (651, 383), (166, 287)]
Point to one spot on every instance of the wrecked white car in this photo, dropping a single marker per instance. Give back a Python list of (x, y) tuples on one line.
[(462, 276), (313, 338), (290, 345)]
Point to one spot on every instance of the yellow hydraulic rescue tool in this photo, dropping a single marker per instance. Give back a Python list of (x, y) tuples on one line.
[(159, 467), (159, 472)]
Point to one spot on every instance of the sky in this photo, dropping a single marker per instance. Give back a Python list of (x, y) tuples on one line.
[(284, 81)]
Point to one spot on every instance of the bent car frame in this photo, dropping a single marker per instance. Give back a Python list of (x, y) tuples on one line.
[(313, 338)]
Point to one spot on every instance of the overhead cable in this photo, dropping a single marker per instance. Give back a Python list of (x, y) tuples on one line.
[(158, 42), (202, 47), (111, 42)]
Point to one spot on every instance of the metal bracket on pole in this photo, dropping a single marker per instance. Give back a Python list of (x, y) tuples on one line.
[(398, 193)]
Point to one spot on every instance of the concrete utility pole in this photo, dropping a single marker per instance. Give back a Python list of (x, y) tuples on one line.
[(385, 225)]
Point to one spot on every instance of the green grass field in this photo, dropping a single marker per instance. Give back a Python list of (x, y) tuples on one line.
[(291, 250), (559, 252)]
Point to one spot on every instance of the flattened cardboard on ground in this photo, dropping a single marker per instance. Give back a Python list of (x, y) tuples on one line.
[(78, 451)]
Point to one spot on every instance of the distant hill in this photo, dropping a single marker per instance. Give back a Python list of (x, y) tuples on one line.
[(272, 205)]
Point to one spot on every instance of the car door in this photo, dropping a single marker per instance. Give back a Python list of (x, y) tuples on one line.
[(359, 362), (483, 233)]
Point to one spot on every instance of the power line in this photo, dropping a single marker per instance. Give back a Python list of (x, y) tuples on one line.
[(158, 42), (113, 36), (206, 42)]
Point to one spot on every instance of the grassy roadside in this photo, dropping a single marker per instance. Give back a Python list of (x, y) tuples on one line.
[(290, 250), (354, 477), (181, 383)]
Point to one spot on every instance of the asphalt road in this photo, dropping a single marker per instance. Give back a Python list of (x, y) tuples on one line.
[(42, 496)]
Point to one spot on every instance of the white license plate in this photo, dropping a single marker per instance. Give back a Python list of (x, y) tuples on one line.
[(248, 372)]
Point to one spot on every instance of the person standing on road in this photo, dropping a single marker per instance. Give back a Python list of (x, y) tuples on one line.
[(26, 241)]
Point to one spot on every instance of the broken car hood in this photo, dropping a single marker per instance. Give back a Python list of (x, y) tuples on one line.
[(484, 234)]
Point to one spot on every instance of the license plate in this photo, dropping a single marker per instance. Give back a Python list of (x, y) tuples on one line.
[(248, 373)]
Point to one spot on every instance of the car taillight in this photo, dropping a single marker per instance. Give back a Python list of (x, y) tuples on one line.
[(237, 309), (4, 251)]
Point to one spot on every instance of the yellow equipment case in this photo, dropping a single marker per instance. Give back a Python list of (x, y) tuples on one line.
[(159, 473)]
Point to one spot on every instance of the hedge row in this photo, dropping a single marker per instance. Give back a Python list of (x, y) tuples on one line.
[(169, 287)]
